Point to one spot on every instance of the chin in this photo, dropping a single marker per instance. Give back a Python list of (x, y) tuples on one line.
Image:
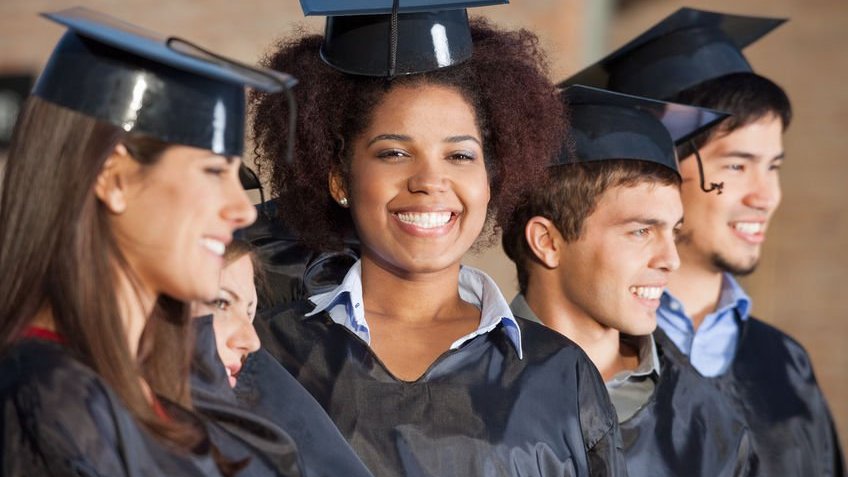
[(739, 267), (640, 325), (423, 263)]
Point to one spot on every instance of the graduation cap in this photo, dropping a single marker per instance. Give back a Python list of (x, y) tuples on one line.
[(686, 48), (144, 82), (612, 126), (386, 38)]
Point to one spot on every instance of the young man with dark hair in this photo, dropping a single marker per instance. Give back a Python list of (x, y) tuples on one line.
[(730, 190), (594, 248)]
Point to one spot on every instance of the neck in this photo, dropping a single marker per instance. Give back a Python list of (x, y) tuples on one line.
[(698, 287), (601, 343), (410, 297)]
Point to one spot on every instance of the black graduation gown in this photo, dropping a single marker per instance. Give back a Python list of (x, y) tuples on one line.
[(293, 270), (771, 383), (267, 389), (477, 411), (237, 433), (60, 419), (687, 428)]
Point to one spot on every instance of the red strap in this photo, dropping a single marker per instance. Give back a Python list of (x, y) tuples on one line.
[(159, 410), (39, 333)]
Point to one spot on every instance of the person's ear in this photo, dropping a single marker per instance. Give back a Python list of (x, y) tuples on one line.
[(544, 240), (110, 187), (338, 189)]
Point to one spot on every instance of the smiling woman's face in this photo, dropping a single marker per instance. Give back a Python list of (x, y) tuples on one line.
[(179, 215), (233, 312), (418, 186)]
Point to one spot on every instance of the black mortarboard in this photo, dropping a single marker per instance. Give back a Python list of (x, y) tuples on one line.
[(686, 48), (143, 82), (387, 38), (606, 126)]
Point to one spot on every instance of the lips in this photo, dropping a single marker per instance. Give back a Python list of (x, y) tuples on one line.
[(647, 292), (749, 228), (752, 232), (215, 245), (426, 223), (425, 220), (232, 373)]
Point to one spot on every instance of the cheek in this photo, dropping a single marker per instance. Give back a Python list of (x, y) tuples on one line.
[(373, 188), (225, 327), (474, 191)]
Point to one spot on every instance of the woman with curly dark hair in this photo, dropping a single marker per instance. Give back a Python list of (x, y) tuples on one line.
[(415, 143)]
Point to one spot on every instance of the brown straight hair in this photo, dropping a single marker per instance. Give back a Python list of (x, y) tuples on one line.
[(58, 254)]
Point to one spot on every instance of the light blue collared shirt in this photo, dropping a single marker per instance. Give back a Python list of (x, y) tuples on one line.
[(711, 348), (345, 307)]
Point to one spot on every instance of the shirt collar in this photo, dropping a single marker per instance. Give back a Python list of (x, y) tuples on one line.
[(649, 361), (731, 297), (520, 307), (345, 307)]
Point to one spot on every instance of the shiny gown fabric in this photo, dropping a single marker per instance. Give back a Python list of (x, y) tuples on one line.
[(298, 439), (687, 428), (477, 411), (293, 270), (60, 419), (268, 389), (240, 435), (772, 385)]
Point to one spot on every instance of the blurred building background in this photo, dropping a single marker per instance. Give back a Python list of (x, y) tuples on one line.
[(798, 286)]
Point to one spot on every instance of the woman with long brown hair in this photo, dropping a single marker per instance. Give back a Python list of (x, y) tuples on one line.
[(120, 194)]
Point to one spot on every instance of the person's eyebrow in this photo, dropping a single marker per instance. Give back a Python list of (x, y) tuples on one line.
[(390, 137), (456, 139), (231, 292), (406, 138), (649, 221), (749, 156)]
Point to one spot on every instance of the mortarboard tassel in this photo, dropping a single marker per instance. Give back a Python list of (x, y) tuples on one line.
[(713, 185)]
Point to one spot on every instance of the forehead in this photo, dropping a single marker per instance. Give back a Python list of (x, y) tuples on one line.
[(238, 275), (646, 200), (423, 108), (763, 137)]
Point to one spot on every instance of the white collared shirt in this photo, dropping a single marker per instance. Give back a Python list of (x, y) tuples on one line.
[(345, 306)]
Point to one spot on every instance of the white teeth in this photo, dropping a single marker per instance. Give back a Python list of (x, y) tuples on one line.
[(229, 372), (750, 228), (215, 246), (651, 293), (425, 220)]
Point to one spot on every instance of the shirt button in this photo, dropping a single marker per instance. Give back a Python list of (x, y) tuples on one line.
[(356, 305), (675, 306)]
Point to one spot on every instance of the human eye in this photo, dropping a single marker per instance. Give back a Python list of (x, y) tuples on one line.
[(641, 232), (215, 171), (221, 304), (735, 167), (392, 154), (219, 166), (775, 166), (462, 156)]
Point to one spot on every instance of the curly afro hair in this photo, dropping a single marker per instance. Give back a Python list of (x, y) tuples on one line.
[(519, 113)]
